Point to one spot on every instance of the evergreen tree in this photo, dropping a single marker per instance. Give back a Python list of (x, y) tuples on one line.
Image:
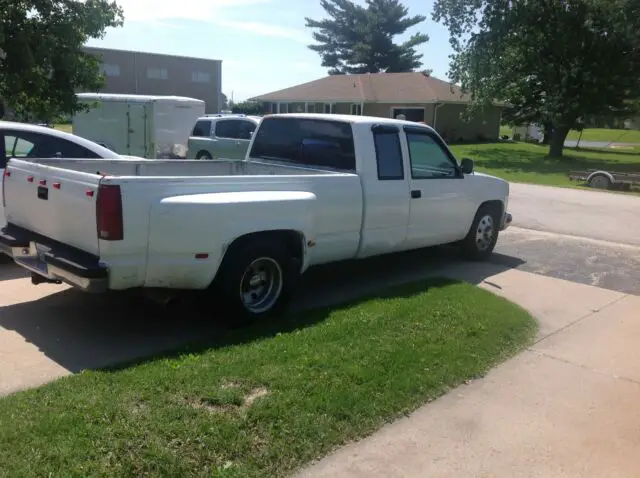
[(359, 39)]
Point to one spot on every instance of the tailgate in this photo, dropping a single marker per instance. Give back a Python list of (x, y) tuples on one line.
[(57, 203)]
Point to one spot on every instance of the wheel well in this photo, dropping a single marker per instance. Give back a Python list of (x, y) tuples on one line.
[(495, 204), (292, 239), (203, 152)]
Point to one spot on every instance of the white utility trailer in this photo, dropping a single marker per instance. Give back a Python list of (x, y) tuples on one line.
[(154, 127)]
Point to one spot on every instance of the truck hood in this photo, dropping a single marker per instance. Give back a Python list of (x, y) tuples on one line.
[(487, 184)]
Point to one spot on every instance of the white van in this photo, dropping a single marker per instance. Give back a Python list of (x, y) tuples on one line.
[(153, 127)]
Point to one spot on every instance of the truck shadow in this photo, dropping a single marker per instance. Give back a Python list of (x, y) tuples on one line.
[(9, 270), (80, 331)]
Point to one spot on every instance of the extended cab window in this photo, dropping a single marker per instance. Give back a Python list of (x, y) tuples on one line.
[(429, 159), (202, 129), (307, 142), (386, 140)]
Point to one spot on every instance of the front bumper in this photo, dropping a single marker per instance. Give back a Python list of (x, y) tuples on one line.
[(506, 221), (53, 261)]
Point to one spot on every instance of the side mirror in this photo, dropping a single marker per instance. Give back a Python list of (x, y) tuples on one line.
[(466, 165)]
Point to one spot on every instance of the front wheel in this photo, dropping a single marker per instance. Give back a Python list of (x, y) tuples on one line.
[(255, 282), (483, 235)]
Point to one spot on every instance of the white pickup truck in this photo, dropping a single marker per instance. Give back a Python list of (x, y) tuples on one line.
[(313, 189)]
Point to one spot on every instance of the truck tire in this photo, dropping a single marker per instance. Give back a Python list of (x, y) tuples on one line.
[(203, 155), (255, 282), (483, 234)]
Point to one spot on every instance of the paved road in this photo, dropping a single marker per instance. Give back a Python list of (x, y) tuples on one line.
[(599, 144), (592, 214)]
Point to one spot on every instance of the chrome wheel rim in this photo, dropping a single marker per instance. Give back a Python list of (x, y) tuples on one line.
[(485, 233), (261, 285)]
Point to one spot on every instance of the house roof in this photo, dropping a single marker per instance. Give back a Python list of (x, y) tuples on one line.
[(412, 87)]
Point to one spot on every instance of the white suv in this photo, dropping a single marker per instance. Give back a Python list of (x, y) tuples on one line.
[(222, 136)]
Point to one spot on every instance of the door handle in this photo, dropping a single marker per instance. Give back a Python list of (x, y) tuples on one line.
[(416, 194)]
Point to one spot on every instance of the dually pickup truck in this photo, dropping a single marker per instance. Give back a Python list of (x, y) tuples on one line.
[(313, 189)]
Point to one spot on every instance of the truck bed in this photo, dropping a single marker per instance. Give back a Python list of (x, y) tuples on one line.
[(178, 168), (160, 200)]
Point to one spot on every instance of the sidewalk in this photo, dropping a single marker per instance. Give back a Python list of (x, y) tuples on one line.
[(566, 407)]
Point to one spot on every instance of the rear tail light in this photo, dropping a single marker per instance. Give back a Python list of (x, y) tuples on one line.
[(109, 213), (5, 175)]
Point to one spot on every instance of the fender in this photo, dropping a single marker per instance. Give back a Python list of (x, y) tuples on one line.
[(214, 221)]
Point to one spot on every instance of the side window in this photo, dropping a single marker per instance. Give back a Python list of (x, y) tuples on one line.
[(24, 144), (228, 129), (306, 142), (16, 147), (202, 129), (429, 159), (246, 129), (388, 153), (73, 150)]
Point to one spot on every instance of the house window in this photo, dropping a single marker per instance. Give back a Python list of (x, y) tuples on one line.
[(157, 73), (328, 108), (200, 77), (110, 70), (284, 107), (356, 109)]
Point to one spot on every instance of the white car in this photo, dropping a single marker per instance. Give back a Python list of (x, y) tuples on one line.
[(313, 189), (24, 141)]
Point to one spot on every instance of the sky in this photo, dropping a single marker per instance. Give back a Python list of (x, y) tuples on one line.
[(262, 43)]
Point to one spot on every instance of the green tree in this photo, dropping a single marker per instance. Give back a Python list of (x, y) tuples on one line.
[(41, 62), (248, 108), (359, 39), (554, 61)]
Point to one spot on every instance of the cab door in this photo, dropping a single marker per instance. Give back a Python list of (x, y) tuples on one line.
[(386, 193), (441, 209)]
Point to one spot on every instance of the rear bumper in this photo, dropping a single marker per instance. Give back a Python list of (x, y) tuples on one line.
[(506, 221), (54, 261)]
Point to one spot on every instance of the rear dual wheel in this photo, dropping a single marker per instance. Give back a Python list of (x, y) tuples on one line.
[(255, 282)]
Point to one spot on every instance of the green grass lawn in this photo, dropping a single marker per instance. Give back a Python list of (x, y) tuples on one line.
[(594, 134), (528, 163), (606, 135), (264, 401), (67, 128)]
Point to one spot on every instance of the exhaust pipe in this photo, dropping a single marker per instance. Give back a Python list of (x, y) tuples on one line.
[(38, 279)]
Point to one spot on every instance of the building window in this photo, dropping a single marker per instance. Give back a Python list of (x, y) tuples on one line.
[(328, 108), (356, 109), (200, 77), (157, 73), (284, 107), (110, 70)]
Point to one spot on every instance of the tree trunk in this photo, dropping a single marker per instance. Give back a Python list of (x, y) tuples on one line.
[(548, 133), (558, 138)]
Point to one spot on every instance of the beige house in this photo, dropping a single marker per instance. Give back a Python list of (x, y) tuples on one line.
[(417, 96)]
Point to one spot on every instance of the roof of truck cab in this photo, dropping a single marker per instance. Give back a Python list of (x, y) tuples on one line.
[(136, 98), (354, 119), (79, 140)]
